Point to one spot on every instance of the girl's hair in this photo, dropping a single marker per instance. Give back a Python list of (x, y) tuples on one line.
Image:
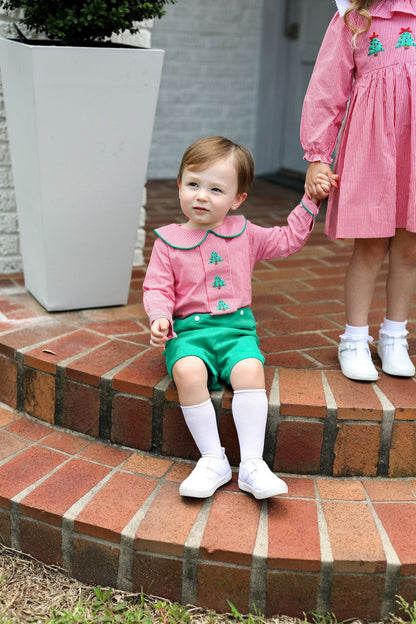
[(361, 7), (205, 151)]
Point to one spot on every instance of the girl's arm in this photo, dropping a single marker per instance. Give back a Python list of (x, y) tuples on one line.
[(328, 93)]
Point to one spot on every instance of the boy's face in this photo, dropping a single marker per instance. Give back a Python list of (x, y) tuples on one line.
[(208, 195)]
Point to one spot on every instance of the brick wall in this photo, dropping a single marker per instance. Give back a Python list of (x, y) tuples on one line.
[(210, 76)]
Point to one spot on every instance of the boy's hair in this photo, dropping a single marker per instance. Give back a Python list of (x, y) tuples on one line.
[(205, 151), (361, 7)]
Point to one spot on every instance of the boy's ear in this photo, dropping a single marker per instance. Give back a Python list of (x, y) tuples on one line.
[(238, 201), (179, 184)]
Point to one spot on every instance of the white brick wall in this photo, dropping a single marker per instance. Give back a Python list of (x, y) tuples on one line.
[(210, 76), (10, 258)]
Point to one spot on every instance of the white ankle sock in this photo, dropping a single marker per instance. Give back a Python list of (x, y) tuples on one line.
[(395, 329), (353, 332), (202, 424), (250, 416)]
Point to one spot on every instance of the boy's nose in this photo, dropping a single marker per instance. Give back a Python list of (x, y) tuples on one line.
[(202, 194)]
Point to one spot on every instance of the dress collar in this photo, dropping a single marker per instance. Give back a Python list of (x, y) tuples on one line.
[(386, 8), (382, 8), (180, 238), (342, 6)]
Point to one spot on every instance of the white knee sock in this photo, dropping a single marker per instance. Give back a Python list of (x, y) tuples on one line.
[(250, 416), (202, 424), (395, 329)]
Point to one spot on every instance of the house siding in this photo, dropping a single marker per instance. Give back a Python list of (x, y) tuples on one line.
[(210, 77)]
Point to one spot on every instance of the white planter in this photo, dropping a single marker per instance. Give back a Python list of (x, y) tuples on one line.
[(80, 122)]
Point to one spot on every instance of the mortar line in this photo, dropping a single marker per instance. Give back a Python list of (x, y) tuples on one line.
[(258, 576), (191, 554)]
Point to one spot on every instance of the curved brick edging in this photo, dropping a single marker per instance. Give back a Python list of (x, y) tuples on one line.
[(114, 517), (77, 376)]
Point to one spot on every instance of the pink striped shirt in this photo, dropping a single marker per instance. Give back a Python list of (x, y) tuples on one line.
[(194, 271), (376, 152)]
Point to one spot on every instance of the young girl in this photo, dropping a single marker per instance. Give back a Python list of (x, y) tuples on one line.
[(368, 62), (197, 294)]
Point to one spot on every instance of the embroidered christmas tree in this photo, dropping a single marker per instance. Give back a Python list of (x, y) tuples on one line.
[(218, 282), (215, 258), (405, 39), (375, 45), (221, 305)]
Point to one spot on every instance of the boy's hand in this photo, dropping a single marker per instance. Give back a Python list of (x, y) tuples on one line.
[(159, 332)]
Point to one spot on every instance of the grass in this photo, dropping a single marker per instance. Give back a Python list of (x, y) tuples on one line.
[(33, 593)]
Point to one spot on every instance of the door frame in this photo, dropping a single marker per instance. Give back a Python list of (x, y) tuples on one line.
[(271, 88)]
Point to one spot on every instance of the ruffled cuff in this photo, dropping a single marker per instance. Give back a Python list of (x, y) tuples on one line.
[(315, 157)]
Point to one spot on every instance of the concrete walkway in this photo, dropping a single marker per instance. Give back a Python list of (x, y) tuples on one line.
[(93, 446)]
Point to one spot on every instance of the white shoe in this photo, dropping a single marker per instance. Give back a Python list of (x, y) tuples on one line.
[(207, 476), (393, 353), (355, 359), (256, 477)]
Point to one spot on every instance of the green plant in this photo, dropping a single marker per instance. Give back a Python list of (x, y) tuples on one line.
[(78, 22), (326, 617), (408, 609), (103, 608), (249, 619)]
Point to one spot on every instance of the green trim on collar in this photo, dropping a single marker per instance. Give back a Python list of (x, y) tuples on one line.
[(206, 234)]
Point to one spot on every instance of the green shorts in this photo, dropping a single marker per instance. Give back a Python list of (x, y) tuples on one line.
[(220, 341)]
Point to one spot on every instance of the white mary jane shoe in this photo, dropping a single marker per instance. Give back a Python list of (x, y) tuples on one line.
[(394, 356), (355, 360)]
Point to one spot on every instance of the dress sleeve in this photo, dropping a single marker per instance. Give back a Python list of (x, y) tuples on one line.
[(158, 285), (328, 93)]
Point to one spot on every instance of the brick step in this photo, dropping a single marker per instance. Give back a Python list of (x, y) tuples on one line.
[(112, 516), (101, 378)]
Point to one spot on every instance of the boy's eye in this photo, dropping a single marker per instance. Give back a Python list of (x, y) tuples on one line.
[(192, 184), (216, 190)]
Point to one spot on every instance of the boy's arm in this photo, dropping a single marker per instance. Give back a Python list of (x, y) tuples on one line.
[(158, 287), (282, 241)]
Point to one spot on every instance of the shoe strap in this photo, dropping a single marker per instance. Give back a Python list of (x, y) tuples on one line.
[(354, 345), (396, 342)]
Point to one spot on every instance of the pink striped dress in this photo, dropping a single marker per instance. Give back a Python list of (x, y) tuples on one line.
[(372, 87)]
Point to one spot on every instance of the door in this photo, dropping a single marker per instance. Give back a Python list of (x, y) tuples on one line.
[(306, 23)]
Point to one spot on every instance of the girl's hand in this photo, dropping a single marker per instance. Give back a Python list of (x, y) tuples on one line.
[(323, 186), (159, 332), (314, 170)]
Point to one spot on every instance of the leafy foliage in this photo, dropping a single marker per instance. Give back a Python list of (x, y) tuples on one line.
[(78, 22)]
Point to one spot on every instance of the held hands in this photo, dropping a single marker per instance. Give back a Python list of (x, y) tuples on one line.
[(159, 332), (319, 180)]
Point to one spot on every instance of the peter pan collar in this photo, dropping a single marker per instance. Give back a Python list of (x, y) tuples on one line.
[(180, 238), (342, 6), (382, 8)]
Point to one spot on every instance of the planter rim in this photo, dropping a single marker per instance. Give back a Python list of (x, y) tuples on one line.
[(58, 45)]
